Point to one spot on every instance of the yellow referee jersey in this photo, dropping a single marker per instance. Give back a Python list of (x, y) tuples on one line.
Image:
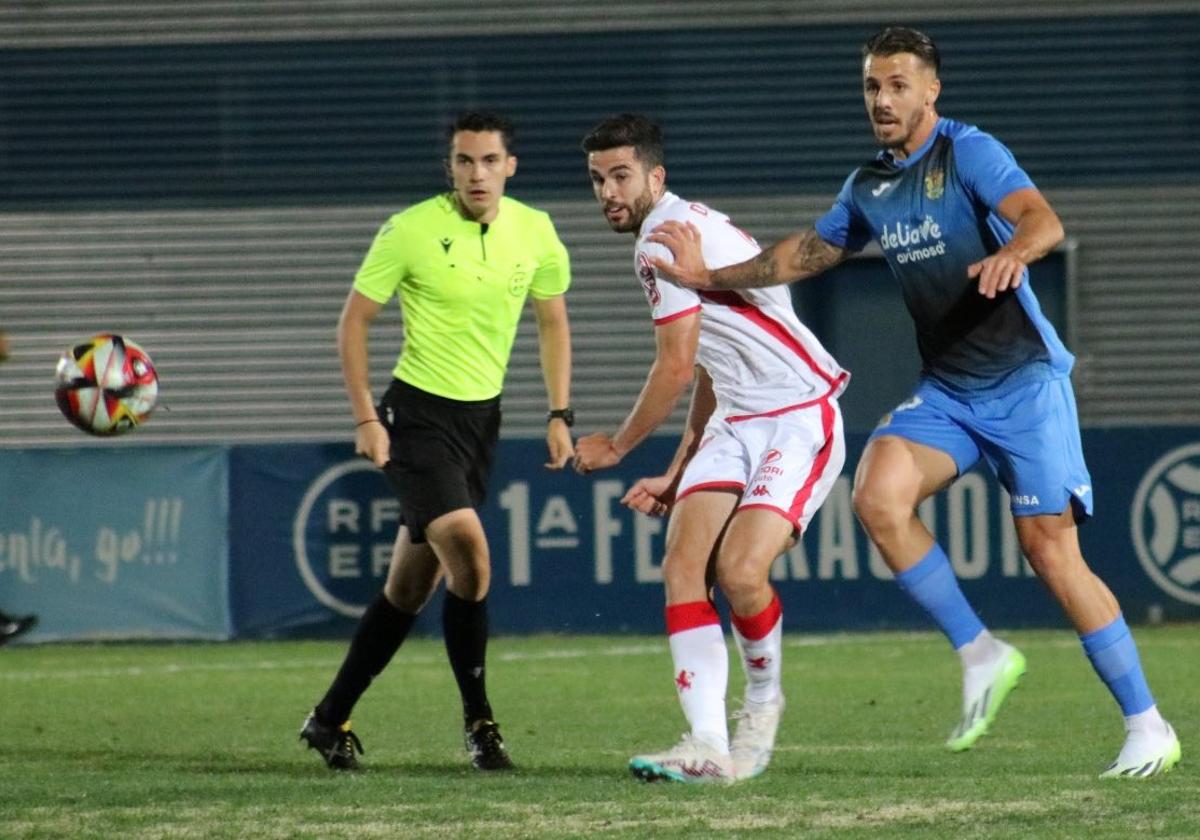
[(462, 286)]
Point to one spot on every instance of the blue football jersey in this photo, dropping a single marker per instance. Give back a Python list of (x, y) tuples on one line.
[(934, 214)]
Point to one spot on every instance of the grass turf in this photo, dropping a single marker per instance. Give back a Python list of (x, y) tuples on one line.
[(199, 741)]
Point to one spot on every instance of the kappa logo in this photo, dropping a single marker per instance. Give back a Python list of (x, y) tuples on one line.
[(684, 681), (446, 243), (760, 490), (882, 188), (1165, 523), (758, 663)]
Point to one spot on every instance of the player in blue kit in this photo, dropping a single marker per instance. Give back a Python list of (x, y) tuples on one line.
[(959, 222)]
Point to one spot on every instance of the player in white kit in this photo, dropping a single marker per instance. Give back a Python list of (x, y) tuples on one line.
[(762, 448)]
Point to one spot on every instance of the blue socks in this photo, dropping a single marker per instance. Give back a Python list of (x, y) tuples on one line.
[(932, 584), (1115, 658)]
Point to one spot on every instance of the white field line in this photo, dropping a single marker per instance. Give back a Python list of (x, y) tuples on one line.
[(304, 664), (641, 649)]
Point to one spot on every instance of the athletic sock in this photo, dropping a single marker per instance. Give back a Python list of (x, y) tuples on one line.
[(701, 669), (379, 634), (465, 627), (983, 650), (760, 642), (932, 584), (1114, 655)]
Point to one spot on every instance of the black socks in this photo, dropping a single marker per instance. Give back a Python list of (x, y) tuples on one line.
[(465, 626), (379, 634)]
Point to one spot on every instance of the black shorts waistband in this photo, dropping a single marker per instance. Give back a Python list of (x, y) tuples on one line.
[(411, 392)]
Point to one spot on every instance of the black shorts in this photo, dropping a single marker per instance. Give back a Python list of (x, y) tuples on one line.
[(442, 452)]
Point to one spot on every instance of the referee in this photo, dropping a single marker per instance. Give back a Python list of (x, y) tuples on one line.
[(462, 264)]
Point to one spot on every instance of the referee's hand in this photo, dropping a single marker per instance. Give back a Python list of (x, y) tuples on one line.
[(372, 442), (558, 442)]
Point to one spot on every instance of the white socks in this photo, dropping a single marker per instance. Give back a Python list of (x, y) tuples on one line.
[(701, 679)]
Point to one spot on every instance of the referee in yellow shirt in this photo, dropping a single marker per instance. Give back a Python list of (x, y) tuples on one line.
[(462, 264)]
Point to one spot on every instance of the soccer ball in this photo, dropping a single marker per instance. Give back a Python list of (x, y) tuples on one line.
[(106, 385)]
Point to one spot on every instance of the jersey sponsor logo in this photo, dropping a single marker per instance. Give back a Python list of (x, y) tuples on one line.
[(1025, 500), (1165, 523), (646, 275), (446, 243), (919, 242), (771, 456), (882, 188), (760, 490), (935, 184), (684, 680)]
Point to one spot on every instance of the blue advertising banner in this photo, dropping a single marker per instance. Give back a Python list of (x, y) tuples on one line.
[(311, 531), (116, 543)]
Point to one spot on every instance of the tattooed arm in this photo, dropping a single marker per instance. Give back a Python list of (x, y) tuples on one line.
[(798, 257)]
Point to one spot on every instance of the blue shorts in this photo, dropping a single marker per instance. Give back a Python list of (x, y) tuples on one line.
[(1029, 437)]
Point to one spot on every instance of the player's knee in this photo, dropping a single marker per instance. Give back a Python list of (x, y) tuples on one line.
[(739, 576), (879, 505), (681, 574), (1050, 558)]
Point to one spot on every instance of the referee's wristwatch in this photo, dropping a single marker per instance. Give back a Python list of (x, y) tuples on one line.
[(567, 415)]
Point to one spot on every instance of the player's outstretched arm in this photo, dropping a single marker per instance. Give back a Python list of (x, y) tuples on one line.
[(656, 495), (675, 356), (798, 257)]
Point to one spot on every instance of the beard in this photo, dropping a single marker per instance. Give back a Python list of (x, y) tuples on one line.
[(898, 141), (638, 211)]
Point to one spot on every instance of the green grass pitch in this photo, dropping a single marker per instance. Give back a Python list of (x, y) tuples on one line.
[(199, 741)]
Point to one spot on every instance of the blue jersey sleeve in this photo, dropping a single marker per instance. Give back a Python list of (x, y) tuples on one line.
[(842, 225), (988, 169)]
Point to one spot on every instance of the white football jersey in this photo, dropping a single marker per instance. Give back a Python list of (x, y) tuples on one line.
[(759, 355)]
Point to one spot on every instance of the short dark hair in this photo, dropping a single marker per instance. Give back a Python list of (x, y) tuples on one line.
[(642, 133), (482, 121), (901, 39)]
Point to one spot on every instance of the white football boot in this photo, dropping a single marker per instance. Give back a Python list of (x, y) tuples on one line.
[(754, 740), (691, 760), (1146, 753)]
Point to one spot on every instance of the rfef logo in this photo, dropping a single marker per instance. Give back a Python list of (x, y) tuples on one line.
[(343, 534), (1165, 522)]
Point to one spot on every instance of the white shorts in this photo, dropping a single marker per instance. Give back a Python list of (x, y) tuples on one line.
[(785, 461)]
